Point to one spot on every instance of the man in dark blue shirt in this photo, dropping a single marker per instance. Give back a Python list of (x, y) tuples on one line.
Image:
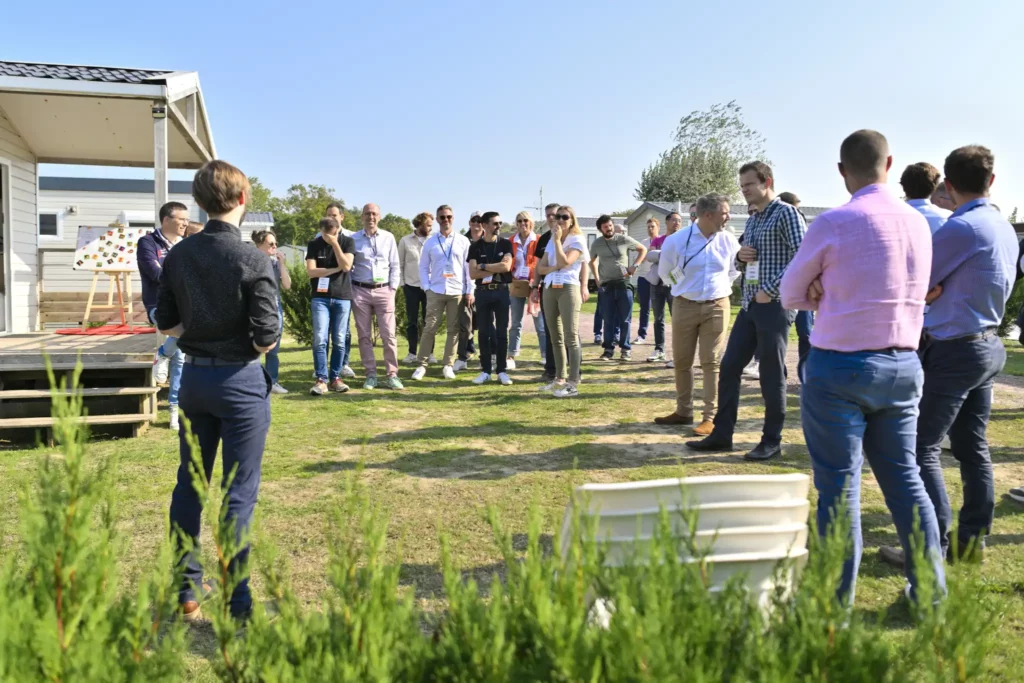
[(152, 250), (218, 296)]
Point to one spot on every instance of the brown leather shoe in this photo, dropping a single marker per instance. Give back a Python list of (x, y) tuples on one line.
[(191, 611), (674, 420), (704, 428)]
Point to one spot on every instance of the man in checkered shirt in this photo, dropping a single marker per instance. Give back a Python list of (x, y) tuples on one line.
[(770, 240)]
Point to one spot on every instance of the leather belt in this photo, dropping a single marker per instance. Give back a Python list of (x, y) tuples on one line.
[(217, 362), (493, 285), (370, 285)]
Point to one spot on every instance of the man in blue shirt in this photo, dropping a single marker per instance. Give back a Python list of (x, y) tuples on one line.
[(973, 267), (919, 182)]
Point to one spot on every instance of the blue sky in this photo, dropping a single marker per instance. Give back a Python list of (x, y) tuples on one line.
[(411, 104)]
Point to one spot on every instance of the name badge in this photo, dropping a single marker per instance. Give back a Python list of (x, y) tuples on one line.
[(522, 272), (322, 285), (753, 273), (676, 276), (449, 271), (487, 280), (380, 271)]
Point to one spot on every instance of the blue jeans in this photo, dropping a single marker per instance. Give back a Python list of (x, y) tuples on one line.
[(273, 362), (598, 316), (616, 304), (804, 325), (643, 292), (515, 335), (858, 405), (958, 377), (169, 349), (226, 405), (330, 323), (661, 298)]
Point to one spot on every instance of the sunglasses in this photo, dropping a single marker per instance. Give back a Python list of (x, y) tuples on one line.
[(444, 218), (271, 244), (563, 217), (522, 220)]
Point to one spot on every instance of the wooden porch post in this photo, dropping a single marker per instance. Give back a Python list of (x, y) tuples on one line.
[(159, 158)]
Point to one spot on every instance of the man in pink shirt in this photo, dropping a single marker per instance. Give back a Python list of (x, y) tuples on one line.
[(864, 267)]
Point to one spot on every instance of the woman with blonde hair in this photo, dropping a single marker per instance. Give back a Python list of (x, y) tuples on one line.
[(524, 262), (563, 258)]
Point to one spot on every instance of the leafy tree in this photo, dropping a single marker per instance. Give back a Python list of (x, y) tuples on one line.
[(261, 197), (709, 148)]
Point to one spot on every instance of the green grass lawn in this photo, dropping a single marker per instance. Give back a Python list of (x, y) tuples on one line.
[(437, 454)]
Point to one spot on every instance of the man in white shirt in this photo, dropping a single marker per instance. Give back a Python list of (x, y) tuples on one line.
[(375, 278), (699, 264), (444, 274), (409, 249), (919, 182)]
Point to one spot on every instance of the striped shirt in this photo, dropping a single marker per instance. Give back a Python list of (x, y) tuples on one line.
[(776, 233)]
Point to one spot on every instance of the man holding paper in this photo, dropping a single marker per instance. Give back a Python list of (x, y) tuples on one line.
[(699, 264)]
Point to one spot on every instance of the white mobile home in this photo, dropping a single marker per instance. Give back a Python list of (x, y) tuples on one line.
[(66, 114)]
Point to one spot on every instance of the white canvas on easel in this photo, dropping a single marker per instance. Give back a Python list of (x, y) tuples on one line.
[(110, 251)]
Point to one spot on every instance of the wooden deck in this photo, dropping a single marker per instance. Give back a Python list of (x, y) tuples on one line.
[(28, 351)]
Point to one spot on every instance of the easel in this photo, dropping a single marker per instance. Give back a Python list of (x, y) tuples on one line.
[(114, 284), (124, 297)]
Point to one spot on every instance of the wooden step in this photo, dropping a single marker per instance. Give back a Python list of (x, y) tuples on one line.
[(61, 363), (30, 422), (95, 391)]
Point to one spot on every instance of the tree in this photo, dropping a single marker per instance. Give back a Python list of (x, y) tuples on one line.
[(710, 146), (260, 196), (297, 215)]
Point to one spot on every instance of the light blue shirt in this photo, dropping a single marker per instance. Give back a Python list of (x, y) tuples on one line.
[(935, 215), (438, 254), (381, 248), (974, 258)]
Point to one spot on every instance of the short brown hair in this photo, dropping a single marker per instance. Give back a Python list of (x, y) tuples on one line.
[(655, 221), (863, 153), (422, 218), (443, 207), (193, 228), (551, 206), (763, 170), (969, 169), (920, 180), (217, 187), (335, 205), (329, 224)]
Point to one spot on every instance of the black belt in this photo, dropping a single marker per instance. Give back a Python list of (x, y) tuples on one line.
[(706, 301), (217, 362), (370, 285), (976, 336), (492, 285)]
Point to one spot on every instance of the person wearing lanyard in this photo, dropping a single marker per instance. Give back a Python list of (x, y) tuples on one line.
[(329, 259), (336, 211), (565, 257), (444, 276), (375, 279), (524, 245), (608, 261), (490, 264), (218, 298), (974, 257), (699, 262), (771, 238)]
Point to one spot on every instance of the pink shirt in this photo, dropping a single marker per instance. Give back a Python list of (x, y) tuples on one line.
[(874, 257)]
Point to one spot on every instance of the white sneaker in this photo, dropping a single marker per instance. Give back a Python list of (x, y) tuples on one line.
[(504, 379), (639, 340), (419, 372), (346, 372), (548, 388), (173, 411), (670, 364), (447, 371), (278, 389), (656, 356), (568, 391), (161, 368), (460, 365), (481, 378), (432, 359), (753, 371), (411, 358), (543, 360), (510, 364)]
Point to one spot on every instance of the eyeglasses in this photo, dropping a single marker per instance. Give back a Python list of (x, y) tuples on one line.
[(563, 217), (444, 218)]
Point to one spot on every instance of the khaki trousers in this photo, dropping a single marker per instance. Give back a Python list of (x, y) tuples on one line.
[(449, 304), (562, 318), (705, 322)]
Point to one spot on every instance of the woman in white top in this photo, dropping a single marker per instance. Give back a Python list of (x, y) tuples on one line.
[(524, 242), (560, 266)]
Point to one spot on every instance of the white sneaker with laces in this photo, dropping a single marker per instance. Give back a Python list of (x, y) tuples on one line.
[(639, 340), (411, 358), (173, 411), (347, 372), (753, 370), (504, 379), (656, 356), (161, 368), (448, 372), (278, 389), (419, 372), (670, 364), (510, 363), (568, 391), (460, 365), (481, 378), (432, 359)]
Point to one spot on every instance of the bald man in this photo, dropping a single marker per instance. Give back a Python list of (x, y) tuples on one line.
[(375, 278)]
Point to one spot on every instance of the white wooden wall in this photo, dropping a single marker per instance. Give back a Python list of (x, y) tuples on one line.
[(22, 246), (95, 209)]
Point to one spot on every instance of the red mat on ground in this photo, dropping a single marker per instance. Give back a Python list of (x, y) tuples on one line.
[(103, 330)]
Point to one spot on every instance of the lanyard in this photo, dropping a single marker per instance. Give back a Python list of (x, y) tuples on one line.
[(615, 253), (373, 244), (441, 244), (686, 262)]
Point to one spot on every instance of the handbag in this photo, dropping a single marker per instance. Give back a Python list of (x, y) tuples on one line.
[(520, 288)]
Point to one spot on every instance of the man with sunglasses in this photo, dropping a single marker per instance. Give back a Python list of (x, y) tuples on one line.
[(444, 274), (490, 264), (609, 262)]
